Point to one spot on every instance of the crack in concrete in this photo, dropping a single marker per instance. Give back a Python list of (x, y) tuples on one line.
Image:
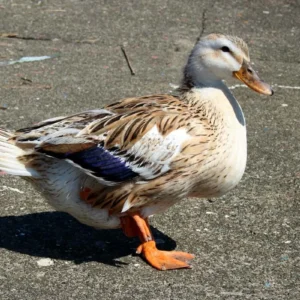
[(294, 62), (203, 23), (273, 85), (28, 38), (43, 39)]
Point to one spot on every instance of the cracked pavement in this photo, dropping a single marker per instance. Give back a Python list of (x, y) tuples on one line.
[(246, 243)]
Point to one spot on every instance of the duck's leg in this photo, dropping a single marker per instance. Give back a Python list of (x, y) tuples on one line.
[(161, 260), (134, 225), (129, 227)]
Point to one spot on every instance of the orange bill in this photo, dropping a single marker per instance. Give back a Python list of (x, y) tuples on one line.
[(247, 75)]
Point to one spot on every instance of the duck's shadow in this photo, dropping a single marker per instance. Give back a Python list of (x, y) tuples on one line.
[(59, 236)]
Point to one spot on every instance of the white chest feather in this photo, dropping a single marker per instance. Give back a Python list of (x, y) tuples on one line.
[(227, 161)]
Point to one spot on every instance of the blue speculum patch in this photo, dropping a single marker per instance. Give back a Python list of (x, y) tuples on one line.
[(102, 163)]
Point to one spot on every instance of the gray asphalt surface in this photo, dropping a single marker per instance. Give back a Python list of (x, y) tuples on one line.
[(246, 243)]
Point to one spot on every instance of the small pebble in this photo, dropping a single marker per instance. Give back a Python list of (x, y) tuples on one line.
[(40, 274), (45, 262), (284, 258), (268, 284)]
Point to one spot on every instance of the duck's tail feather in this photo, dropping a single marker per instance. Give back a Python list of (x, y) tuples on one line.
[(9, 154)]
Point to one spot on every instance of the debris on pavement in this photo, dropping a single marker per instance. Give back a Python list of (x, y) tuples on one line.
[(25, 59), (132, 72), (45, 262)]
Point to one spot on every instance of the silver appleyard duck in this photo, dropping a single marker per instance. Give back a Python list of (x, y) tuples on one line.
[(114, 167)]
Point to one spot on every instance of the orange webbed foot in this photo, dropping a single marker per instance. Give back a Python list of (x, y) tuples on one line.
[(164, 260), (133, 225)]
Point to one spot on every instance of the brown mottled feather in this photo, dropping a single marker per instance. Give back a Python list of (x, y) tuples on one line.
[(139, 154), (123, 124)]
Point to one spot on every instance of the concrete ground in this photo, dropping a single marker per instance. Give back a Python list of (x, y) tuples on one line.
[(246, 243)]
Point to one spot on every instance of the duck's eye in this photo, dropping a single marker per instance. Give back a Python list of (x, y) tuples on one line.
[(225, 49)]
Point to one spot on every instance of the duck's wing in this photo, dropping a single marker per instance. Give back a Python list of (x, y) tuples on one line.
[(134, 139)]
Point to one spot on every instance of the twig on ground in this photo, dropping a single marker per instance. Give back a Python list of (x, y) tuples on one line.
[(127, 61)]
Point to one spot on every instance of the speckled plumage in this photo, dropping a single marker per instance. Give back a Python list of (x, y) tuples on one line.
[(163, 173), (139, 156)]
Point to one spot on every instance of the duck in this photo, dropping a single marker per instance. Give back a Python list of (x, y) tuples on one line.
[(116, 166)]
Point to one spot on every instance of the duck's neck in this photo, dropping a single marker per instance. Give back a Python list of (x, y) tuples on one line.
[(207, 88)]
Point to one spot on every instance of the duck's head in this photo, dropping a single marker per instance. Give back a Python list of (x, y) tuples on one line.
[(219, 57)]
